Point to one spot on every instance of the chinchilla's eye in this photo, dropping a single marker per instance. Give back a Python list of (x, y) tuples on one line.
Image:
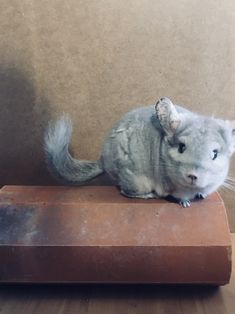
[(215, 154), (181, 148)]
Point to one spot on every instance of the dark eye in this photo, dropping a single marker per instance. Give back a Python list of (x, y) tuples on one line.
[(181, 148), (215, 154)]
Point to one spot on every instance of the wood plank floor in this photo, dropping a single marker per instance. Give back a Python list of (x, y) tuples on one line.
[(109, 299)]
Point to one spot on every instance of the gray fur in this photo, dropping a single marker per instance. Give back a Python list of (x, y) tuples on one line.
[(60, 162), (141, 153)]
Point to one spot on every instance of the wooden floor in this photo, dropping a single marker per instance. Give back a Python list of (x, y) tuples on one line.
[(118, 299)]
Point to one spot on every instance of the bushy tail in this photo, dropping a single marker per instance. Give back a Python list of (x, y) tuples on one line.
[(60, 162)]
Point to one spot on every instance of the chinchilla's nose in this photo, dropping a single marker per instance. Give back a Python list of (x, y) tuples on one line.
[(192, 177)]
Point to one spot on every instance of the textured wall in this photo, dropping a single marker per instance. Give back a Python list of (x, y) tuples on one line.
[(96, 60)]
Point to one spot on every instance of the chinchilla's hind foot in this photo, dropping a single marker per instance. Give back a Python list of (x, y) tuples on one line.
[(143, 196)]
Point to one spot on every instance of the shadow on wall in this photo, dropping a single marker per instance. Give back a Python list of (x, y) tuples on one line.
[(24, 117)]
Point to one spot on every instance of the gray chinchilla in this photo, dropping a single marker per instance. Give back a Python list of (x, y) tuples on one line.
[(157, 151)]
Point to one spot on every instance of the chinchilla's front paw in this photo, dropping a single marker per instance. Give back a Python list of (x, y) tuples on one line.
[(200, 196), (184, 203)]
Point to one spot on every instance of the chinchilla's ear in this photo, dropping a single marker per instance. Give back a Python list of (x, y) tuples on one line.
[(167, 116), (230, 131), (232, 123)]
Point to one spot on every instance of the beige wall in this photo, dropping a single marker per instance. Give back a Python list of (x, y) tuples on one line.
[(96, 59)]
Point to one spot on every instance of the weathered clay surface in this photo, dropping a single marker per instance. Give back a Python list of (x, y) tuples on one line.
[(93, 234)]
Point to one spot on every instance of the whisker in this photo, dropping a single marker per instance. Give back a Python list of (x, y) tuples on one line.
[(230, 179), (223, 189), (228, 186), (230, 183)]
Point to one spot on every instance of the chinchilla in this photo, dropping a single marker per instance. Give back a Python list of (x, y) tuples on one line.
[(156, 151)]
